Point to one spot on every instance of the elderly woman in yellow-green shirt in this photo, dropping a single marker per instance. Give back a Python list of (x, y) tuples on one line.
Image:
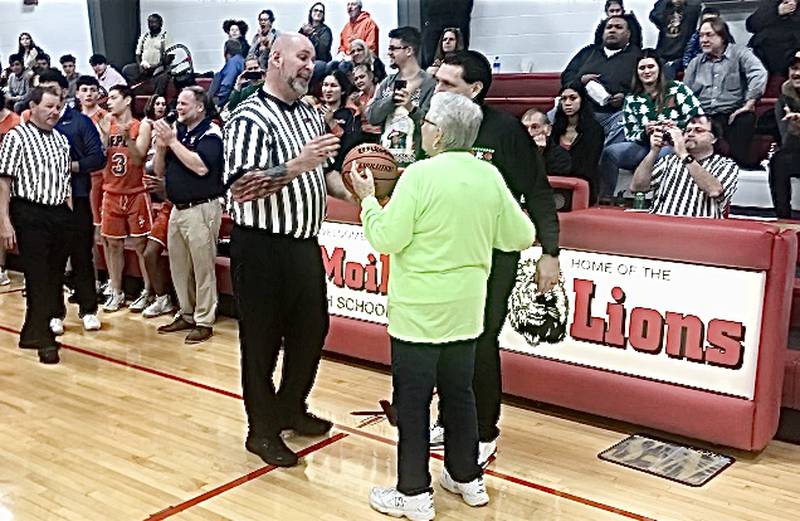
[(446, 215)]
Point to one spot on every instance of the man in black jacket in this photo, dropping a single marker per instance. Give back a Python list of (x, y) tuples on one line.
[(785, 164), (776, 33), (676, 21), (503, 141), (609, 66)]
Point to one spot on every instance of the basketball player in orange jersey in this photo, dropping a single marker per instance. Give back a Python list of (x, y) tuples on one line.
[(87, 94), (126, 204)]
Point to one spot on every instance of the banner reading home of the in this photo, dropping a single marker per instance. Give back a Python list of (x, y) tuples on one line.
[(692, 325), (357, 275)]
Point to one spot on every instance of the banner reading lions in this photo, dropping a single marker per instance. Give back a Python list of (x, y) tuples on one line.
[(686, 324), (692, 325)]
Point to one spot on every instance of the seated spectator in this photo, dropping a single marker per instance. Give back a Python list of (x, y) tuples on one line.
[(320, 34), (451, 41), (654, 102), (28, 51), (607, 71), (68, 66), (785, 164), (556, 159), (776, 33), (359, 27), (18, 83), (151, 55), (340, 116), (107, 75), (42, 62), (728, 80), (676, 20), (237, 30), (364, 80), (262, 40), (401, 100), (361, 54), (617, 8), (693, 181), (577, 131), (438, 16), (693, 45), (224, 80), (248, 82)]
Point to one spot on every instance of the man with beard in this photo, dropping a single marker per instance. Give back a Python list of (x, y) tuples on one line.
[(275, 159), (151, 55)]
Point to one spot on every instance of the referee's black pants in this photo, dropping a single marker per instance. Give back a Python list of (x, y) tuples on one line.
[(487, 384), (279, 286), (81, 252), (42, 238)]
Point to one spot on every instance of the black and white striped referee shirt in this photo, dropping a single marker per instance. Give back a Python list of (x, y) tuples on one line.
[(676, 193), (38, 163), (264, 132)]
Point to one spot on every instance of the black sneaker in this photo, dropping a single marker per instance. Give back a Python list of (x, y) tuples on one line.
[(306, 424), (272, 450)]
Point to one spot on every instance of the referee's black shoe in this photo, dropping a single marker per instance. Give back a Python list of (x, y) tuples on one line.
[(306, 424), (49, 355), (272, 450)]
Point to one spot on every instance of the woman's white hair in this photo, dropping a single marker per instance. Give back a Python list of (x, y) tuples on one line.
[(458, 117)]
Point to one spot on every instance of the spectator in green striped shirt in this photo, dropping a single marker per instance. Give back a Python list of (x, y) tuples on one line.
[(653, 103)]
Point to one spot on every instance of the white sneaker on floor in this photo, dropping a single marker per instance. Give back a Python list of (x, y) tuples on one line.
[(160, 306), (91, 323), (57, 326), (115, 301), (437, 437), (4, 280), (485, 452), (396, 504), (105, 289), (473, 493), (141, 303)]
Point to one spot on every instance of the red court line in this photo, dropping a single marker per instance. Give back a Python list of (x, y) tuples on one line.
[(12, 291), (357, 432), (172, 510)]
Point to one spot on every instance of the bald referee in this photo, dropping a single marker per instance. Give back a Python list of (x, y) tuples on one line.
[(277, 157), (35, 176)]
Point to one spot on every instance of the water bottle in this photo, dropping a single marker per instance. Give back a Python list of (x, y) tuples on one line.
[(496, 65)]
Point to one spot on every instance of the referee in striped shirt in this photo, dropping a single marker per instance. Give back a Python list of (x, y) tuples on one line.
[(278, 154), (35, 176), (693, 181)]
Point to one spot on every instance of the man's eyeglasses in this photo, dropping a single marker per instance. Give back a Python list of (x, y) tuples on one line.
[(695, 130), (429, 122), (393, 48)]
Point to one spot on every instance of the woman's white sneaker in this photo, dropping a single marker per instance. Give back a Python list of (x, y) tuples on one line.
[(473, 493), (485, 452), (396, 504), (437, 436), (57, 326), (91, 323)]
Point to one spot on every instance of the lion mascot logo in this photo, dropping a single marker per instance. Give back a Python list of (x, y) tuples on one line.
[(538, 317)]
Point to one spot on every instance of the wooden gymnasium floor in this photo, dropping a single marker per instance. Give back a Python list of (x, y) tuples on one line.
[(133, 425)]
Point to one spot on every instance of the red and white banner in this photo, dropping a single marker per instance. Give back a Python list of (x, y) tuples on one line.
[(686, 324), (357, 275), (692, 325)]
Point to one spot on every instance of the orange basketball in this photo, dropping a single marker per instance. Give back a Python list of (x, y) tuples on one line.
[(379, 160)]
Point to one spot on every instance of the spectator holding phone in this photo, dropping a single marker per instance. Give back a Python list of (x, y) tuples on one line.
[(402, 99), (693, 181), (248, 82)]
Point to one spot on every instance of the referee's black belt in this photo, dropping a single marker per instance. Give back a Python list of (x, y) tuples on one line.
[(186, 206)]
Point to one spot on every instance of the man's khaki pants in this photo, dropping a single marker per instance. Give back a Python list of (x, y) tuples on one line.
[(192, 244)]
